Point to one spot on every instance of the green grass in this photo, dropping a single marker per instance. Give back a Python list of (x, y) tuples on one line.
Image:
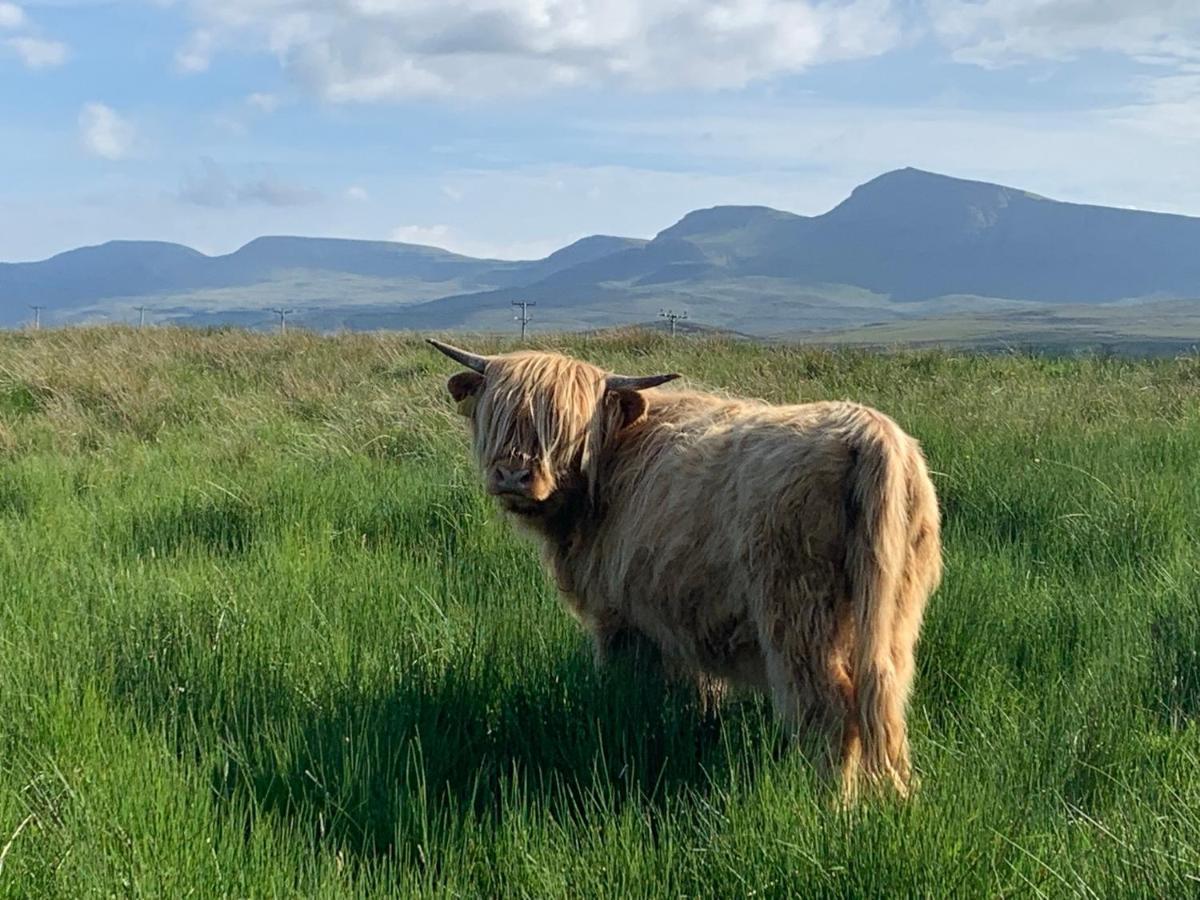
[(1146, 327), (261, 635)]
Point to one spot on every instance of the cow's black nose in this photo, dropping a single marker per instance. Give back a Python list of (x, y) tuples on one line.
[(512, 478)]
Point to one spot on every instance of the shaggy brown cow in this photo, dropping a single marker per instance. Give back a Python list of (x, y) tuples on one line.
[(788, 548)]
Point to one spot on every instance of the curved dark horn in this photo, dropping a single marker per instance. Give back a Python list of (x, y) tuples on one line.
[(637, 382), (472, 361)]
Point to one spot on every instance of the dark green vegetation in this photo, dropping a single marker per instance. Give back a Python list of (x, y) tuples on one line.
[(906, 247), (261, 635)]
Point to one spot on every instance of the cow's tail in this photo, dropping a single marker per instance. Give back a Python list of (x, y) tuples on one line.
[(876, 557)]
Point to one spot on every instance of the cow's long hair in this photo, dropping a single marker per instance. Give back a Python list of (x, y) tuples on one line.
[(545, 410), (786, 548)]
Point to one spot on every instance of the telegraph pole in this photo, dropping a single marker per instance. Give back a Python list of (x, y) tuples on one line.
[(672, 317), (141, 315), (283, 314), (523, 318), (37, 316)]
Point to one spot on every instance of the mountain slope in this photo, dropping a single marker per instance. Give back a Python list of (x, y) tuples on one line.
[(900, 246), (583, 251), (102, 271), (916, 235), (137, 268)]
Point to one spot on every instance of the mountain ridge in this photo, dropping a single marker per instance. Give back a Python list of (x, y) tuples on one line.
[(906, 237)]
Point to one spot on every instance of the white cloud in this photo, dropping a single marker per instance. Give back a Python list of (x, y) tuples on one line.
[(196, 53), (11, 15), (37, 53), (357, 193), (372, 50), (1161, 35), (998, 32), (34, 52), (104, 133), (238, 119), (1169, 110)]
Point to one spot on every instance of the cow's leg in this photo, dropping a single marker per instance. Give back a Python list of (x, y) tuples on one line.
[(629, 646), (904, 660), (812, 693), (921, 573), (914, 589), (646, 657), (711, 691)]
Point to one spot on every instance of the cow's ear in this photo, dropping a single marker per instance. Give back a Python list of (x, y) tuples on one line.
[(464, 388), (631, 406)]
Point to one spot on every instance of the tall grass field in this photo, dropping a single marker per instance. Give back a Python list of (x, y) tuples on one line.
[(262, 635)]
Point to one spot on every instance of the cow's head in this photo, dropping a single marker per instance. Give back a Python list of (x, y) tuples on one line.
[(540, 422)]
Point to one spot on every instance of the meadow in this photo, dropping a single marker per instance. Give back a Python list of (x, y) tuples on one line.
[(262, 635)]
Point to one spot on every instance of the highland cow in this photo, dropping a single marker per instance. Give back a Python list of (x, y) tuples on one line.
[(789, 549)]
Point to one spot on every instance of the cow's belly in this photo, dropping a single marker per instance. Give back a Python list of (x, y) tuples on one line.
[(744, 667), (705, 633)]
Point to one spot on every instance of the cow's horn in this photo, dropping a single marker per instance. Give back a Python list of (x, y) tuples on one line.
[(637, 382), (472, 361)]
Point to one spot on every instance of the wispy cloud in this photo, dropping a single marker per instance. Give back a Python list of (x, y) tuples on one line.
[(273, 192), (457, 241), (1162, 36), (433, 235), (11, 15), (210, 185), (38, 53), (104, 133), (999, 32), (263, 102), (34, 50), (196, 53)]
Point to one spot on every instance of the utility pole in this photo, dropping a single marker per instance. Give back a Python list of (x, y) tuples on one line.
[(283, 314), (672, 317), (141, 315), (523, 318), (37, 316)]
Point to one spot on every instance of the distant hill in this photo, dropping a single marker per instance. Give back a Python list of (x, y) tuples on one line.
[(139, 268), (903, 247)]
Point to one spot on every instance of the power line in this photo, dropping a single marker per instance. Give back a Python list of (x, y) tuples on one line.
[(672, 317), (523, 318)]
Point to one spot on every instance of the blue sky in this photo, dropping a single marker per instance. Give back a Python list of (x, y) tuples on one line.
[(511, 127)]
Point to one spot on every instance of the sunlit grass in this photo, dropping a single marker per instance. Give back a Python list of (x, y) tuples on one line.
[(261, 635)]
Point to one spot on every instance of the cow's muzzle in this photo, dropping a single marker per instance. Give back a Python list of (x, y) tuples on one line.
[(511, 480)]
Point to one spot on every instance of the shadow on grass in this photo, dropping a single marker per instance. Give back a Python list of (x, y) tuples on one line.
[(399, 766), (1176, 654)]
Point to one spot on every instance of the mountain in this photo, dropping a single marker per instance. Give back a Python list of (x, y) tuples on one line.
[(140, 268), (97, 272), (904, 246), (260, 259), (916, 236), (584, 250)]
